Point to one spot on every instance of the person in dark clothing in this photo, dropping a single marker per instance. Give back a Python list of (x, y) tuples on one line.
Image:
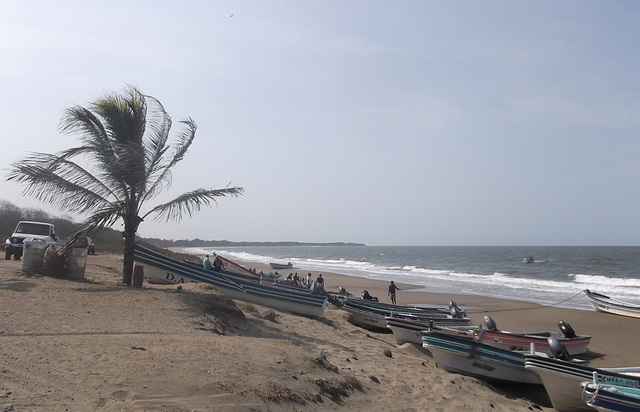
[(392, 292), (218, 266)]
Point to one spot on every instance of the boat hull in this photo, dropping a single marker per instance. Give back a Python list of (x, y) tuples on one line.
[(606, 398), (371, 319), (406, 330), (523, 341), (467, 357), (280, 266), (159, 268), (603, 303), (561, 380), (372, 315)]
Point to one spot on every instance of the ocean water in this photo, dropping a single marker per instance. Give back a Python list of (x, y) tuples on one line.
[(556, 277)]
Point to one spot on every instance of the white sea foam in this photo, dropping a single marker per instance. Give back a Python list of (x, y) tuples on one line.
[(524, 284)]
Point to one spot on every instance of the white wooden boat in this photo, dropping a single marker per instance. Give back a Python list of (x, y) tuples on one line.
[(604, 303), (159, 268), (468, 357), (406, 330), (372, 315), (281, 266), (562, 379)]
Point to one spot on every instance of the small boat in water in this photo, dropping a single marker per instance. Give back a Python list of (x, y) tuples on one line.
[(276, 266), (603, 303), (528, 259)]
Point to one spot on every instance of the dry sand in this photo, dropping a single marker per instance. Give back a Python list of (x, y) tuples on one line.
[(96, 345)]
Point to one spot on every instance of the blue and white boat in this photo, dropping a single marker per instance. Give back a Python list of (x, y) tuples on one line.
[(373, 315), (607, 397), (160, 268), (467, 357), (562, 379)]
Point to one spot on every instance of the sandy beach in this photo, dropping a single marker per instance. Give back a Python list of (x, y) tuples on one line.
[(96, 345)]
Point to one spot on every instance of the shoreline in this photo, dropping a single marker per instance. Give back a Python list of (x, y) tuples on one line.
[(503, 277), (608, 344), (94, 344)]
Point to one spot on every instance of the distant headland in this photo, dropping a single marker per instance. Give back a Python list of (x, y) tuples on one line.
[(226, 243)]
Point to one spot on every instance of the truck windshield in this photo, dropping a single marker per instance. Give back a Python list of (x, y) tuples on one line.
[(33, 229)]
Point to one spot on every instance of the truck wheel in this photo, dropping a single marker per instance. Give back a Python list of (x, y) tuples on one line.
[(7, 254), (17, 255)]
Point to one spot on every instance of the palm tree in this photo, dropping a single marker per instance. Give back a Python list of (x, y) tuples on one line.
[(124, 138)]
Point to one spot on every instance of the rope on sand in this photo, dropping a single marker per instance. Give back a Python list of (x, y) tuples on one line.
[(531, 307)]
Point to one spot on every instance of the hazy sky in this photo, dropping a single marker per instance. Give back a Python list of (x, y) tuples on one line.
[(386, 123)]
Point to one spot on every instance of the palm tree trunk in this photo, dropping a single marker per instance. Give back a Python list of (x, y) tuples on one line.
[(127, 265)]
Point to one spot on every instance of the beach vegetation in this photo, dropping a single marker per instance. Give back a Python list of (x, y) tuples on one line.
[(124, 160), (280, 393)]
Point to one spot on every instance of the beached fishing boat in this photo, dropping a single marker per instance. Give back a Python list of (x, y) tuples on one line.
[(606, 397), (573, 343), (276, 266), (405, 330), (372, 315), (231, 266), (562, 379), (468, 357), (159, 268), (604, 303), (491, 335), (389, 308)]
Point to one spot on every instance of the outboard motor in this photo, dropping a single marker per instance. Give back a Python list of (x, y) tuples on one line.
[(452, 304), (343, 291), (557, 349), (367, 296), (456, 312), (490, 323), (566, 330), (335, 300)]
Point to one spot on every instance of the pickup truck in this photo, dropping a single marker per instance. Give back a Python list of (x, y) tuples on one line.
[(25, 229)]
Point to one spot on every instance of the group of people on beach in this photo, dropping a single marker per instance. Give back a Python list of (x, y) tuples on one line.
[(217, 264), (308, 283)]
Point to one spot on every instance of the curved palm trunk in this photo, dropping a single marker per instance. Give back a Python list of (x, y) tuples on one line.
[(127, 264), (130, 228)]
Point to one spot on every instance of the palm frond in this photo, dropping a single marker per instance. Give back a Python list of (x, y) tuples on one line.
[(77, 119), (60, 183), (97, 144), (124, 116), (190, 202), (107, 216), (163, 177)]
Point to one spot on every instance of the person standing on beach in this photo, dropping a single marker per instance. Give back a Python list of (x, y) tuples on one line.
[(392, 292), (309, 281), (206, 263)]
